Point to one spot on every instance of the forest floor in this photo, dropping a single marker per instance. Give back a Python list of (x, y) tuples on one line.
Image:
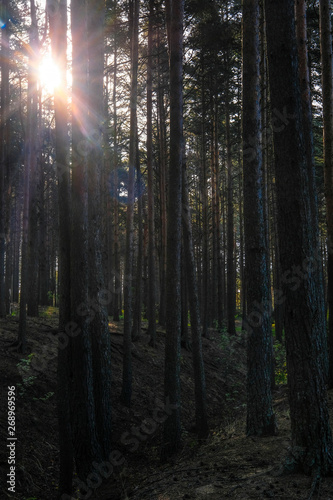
[(226, 465)]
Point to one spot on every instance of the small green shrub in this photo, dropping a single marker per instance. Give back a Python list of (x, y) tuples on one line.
[(280, 364)]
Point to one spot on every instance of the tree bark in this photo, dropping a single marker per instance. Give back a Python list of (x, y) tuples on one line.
[(231, 277), (99, 330), (84, 433), (29, 164), (126, 394), (311, 445), (201, 418), (172, 426), (327, 87), (4, 117), (58, 34), (150, 172), (260, 415)]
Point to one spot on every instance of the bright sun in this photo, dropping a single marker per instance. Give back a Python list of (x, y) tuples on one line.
[(48, 74)]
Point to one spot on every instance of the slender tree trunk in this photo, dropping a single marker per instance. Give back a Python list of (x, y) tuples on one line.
[(327, 86), (151, 216), (127, 360), (84, 433), (163, 190), (201, 419), (117, 282), (4, 117), (100, 335), (34, 165), (311, 440), (231, 278), (136, 331), (260, 416), (58, 33), (29, 159), (185, 343), (172, 426), (205, 264)]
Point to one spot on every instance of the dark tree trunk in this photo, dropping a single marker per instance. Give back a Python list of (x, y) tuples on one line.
[(33, 231), (172, 426), (185, 343), (260, 416), (99, 330), (311, 445), (58, 33), (4, 115), (43, 271), (126, 394), (204, 194), (151, 216), (84, 433), (163, 190), (201, 419), (327, 86), (29, 160), (136, 331), (231, 276), (117, 281)]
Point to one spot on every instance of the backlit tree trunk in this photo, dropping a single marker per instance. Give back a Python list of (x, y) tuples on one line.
[(58, 34)]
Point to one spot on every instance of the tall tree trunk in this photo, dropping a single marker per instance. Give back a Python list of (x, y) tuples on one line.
[(136, 331), (117, 281), (172, 426), (201, 419), (84, 433), (34, 164), (185, 343), (4, 120), (100, 335), (127, 360), (58, 33), (231, 277), (163, 188), (205, 256), (151, 216), (260, 416), (327, 86), (311, 440), (29, 164)]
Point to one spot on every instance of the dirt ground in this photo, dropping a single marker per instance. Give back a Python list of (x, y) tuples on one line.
[(227, 465)]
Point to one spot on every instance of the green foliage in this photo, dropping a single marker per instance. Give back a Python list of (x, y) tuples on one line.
[(225, 339), (280, 364), (49, 312), (24, 363), (47, 396), (24, 367)]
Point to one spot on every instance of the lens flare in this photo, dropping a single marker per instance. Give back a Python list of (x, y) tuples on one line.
[(49, 74)]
